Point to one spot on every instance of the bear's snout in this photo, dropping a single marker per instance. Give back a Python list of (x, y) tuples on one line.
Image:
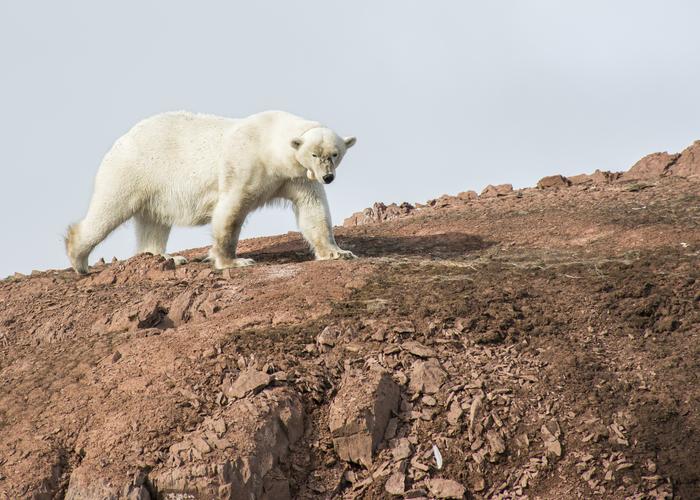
[(328, 178)]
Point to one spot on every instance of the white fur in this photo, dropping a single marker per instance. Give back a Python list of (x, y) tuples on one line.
[(187, 169)]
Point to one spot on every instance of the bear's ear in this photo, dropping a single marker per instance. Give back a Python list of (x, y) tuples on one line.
[(297, 142), (350, 141)]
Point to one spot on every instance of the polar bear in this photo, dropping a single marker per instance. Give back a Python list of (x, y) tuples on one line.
[(190, 169)]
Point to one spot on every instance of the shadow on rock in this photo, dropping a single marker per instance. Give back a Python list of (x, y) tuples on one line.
[(435, 245)]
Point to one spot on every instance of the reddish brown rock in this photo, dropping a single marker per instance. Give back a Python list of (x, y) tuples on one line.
[(146, 314), (327, 339), (604, 177), (89, 413), (418, 349), (597, 177), (360, 413), (553, 181), (142, 266), (248, 382), (467, 195), (179, 311), (455, 413), (443, 201), (427, 377), (85, 485), (402, 450), (447, 200), (651, 166), (379, 212), (260, 431), (550, 437), (491, 191), (688, 164), (446, 488), (243, 463), (396, 484), (580, 179)]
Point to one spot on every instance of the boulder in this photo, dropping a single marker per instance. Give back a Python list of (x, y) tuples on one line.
[(379, 212), (491, 191), (651, 166), (467, 195), (553, 181), (604, 176), (688, 164)]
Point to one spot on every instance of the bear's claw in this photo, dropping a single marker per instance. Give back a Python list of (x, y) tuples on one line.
[(178, 259), (338, 254), (231, 263)]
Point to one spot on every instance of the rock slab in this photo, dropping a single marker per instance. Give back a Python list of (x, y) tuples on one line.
[(491, 191), (256, 433), (553, 181), (249, 381), (651, 166), (360, 413), (446, 488), (688, 165), (427, 377)]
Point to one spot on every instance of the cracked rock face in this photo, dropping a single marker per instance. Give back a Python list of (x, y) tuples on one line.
[(379, 212), (360, 413), (238, 455), (85, 485), (688, 164), (651, 166), (260, 431)]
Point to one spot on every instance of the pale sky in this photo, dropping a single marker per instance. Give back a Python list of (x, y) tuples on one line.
[(442, 96)]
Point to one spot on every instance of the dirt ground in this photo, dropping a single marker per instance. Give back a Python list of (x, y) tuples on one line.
[(536, 343)]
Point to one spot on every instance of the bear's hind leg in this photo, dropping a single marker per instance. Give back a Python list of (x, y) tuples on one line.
[(152, 237)]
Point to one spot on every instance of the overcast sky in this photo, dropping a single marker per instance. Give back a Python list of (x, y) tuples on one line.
[(443, 96)]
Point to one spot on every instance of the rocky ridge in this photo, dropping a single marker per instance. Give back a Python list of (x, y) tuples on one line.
[(651, 167), (531, 343)]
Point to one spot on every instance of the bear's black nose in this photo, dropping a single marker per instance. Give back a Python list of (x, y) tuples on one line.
[(328, 178)]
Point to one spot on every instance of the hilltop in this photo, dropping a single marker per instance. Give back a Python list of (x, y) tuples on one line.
[(540, 342)]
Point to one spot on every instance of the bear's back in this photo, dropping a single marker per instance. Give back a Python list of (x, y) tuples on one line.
[(181, 122)]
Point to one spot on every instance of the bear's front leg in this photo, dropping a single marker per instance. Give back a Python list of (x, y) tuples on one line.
[(314, 220), (226, 222)]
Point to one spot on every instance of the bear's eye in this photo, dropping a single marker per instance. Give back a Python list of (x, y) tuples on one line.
[(312, 154), (335, 154)]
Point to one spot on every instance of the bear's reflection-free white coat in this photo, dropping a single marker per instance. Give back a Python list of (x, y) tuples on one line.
[(190, 169)]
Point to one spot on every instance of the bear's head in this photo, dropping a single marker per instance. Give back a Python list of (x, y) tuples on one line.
[(320, 151)]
